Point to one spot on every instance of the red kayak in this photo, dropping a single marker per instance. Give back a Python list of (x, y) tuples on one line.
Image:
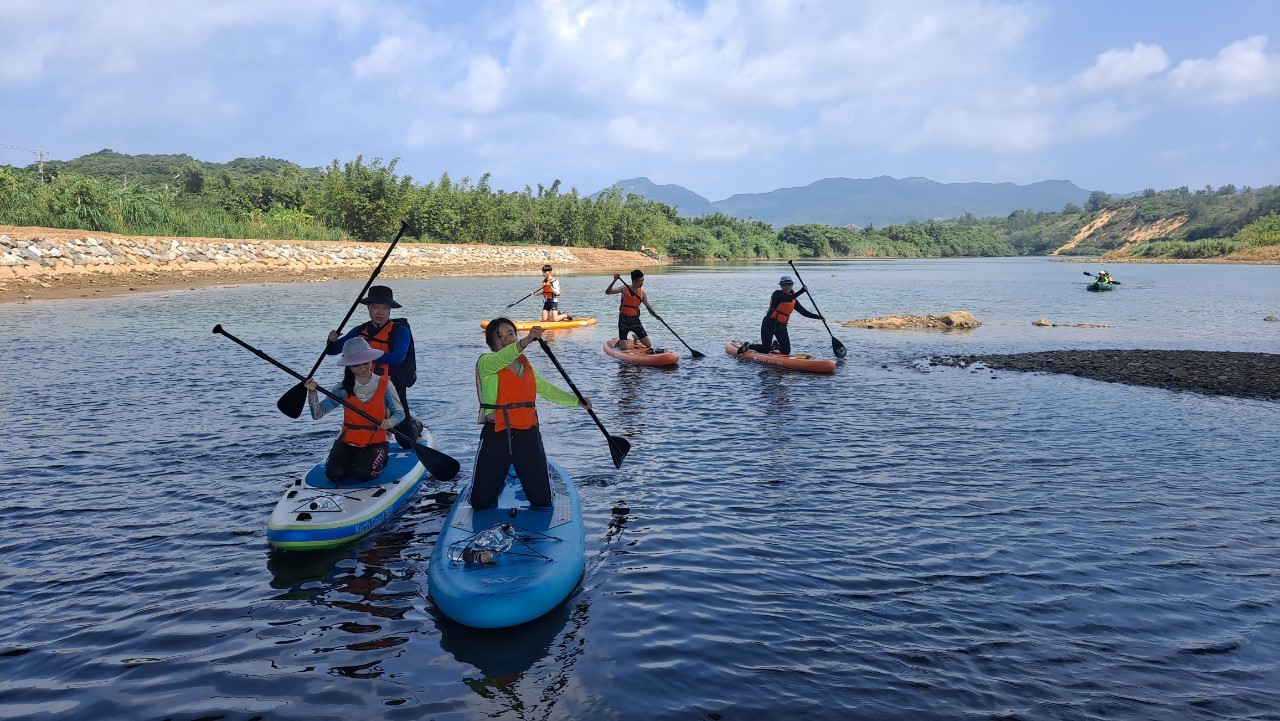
[(796, 362), (640, 355)]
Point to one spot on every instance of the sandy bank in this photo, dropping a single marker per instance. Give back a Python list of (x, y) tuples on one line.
[(44, 263)]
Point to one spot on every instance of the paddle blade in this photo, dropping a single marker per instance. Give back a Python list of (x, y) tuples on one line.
[(439, 465), (1088, 274), (838, 348), (618, 448), (696, 354), (293, 401)]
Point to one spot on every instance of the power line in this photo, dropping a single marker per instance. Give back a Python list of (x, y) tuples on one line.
[(40, 153)]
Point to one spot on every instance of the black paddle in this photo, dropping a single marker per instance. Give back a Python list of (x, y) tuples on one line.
[(836, 346), (695, 353), (437, 464), (295, 399), (527, 296), (618, 447), (1112, 282)]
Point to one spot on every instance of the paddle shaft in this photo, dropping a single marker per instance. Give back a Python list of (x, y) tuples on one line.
[(695, 353), (404, 225), (510, 305), (547, 349), (219, 330), (815, 303)]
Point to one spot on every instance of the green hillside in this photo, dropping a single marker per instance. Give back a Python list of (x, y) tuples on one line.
[(177, 195)]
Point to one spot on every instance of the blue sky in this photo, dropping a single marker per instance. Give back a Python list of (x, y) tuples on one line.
[(722, 96)]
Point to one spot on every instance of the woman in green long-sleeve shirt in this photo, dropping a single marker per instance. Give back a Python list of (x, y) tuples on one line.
[(508, 386)]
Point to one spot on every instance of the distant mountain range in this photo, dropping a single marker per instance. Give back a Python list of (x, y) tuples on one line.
[(875, 201)]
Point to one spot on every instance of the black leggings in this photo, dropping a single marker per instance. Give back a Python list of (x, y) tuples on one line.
[(495, 456), (769, 330), (363, 462)]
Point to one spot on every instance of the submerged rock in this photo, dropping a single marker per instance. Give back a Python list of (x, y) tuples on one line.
[(954, 320), (1046, 323)]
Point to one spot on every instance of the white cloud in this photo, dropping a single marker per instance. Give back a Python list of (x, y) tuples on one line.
[(1116, 68), (1241, 71)]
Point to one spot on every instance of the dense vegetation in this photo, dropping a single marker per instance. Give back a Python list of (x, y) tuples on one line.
[(268, 198)]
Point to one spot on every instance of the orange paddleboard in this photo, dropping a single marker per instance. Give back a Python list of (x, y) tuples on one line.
[(642, 356), (549, 324), (790, 362)]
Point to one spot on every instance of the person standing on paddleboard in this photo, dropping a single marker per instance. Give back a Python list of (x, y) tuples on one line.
[(507, 387), (361, 448), (774, 326), (629, 312), (395, 340)]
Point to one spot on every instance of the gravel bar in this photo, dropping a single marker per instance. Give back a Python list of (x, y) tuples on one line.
[(1219, 373)]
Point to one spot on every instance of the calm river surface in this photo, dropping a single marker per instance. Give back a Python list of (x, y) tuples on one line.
[(893, 541)]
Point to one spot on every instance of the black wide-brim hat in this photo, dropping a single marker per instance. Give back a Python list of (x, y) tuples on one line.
[(380, 294)]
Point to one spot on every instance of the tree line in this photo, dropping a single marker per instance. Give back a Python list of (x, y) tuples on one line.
[(176, 195)]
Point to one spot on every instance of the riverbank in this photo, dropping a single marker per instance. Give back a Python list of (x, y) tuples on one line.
[(1220, 373), (48, 263)]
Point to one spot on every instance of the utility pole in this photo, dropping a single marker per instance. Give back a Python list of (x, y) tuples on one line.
[(39, 153)]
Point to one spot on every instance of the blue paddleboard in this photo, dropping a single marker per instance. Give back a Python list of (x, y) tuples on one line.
[(535, 575)]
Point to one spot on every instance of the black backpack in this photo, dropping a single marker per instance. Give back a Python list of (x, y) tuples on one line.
[(409, 368), (407, 371)]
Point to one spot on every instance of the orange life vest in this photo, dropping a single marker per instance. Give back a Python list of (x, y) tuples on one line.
[(782, 313), (381, 340), (547, 292), (516, 397), (630, 303), (358, 430)]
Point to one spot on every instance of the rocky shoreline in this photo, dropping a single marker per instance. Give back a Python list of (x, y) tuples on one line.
[(41, 263), (1221, 373)]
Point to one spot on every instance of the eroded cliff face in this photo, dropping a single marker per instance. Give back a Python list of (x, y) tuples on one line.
[(1119, 229)]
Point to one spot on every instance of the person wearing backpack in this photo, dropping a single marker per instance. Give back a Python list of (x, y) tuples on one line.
[(395, 340)]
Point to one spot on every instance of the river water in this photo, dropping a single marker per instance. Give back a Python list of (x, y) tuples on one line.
[(894, 541)]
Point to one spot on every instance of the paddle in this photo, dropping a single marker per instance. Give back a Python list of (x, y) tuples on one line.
[(695, 353), (295, 399), (1112, 282), (438, 464), (527, 296), (836, 346), (618, 447)]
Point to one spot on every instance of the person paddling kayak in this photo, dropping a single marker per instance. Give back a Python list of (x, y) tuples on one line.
[(394, 340), (629, 311), (774, 326), (507, 387), (361, 448)]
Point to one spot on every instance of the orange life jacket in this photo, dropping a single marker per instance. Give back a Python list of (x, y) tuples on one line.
[(547, 292), (358, 430), (516, 397), (782, 313), (381, 340), (630, 303)]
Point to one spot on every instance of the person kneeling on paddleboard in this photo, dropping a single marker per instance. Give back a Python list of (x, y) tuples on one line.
[(395, 340), (781, 304), (629, 312), (361, 447), (507, 386), (550, 291)]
